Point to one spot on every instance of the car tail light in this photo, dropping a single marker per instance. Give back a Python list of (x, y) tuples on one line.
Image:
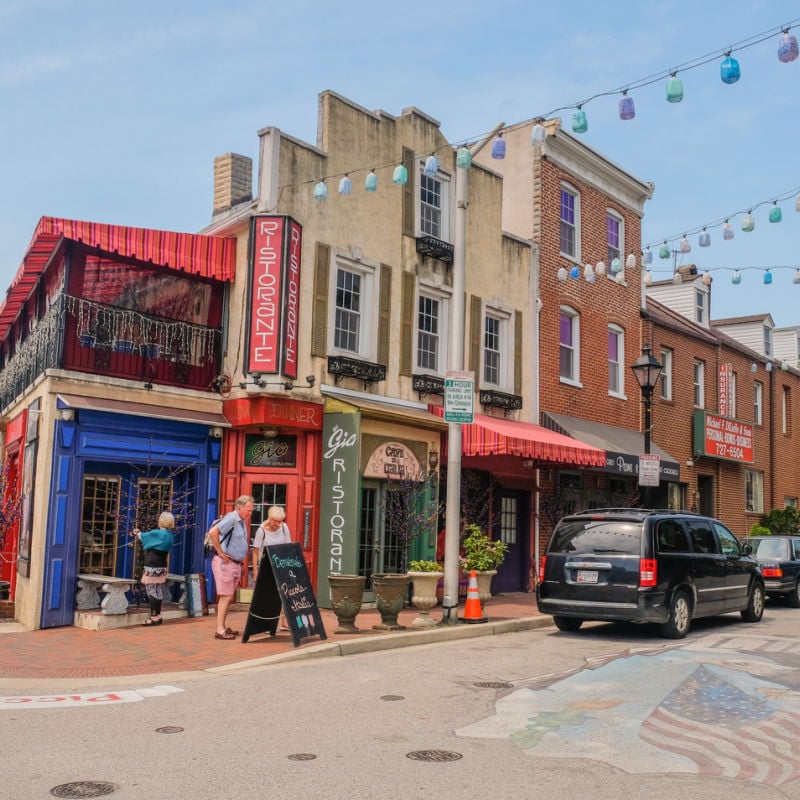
[(541, 568), (647, 572), (772, 572)]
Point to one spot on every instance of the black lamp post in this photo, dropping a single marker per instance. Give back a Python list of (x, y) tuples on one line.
[(647, 370)]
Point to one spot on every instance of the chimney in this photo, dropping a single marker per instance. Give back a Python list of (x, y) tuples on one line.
[(233, 181)]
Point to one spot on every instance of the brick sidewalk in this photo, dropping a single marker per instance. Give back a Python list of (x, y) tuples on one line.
[(188, 644)]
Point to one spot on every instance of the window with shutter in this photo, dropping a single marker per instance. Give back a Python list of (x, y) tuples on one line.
[(407, 322), (384, 314)]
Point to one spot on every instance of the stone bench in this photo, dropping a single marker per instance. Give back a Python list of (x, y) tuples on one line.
[(180, 581), (114, 602)]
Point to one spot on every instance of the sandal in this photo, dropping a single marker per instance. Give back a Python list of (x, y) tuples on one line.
[(148, 623), (228, 630), (225, 635)]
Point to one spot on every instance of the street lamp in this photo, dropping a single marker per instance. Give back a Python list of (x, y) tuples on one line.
[(456, 364), (647, 371)]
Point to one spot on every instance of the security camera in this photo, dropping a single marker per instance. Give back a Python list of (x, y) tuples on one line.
[(311, 380)]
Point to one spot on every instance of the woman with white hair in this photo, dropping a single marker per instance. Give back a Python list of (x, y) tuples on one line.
[(273, 530), (156, 545)]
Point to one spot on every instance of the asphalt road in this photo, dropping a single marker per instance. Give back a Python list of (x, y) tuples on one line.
[(608, 711)]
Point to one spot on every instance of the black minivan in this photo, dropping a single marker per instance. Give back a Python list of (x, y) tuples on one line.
[(639, 565)]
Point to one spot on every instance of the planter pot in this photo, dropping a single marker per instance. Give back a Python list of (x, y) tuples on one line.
[(424, 596), (151, 350), (390, 596), (123, 346), (485, 584), (87, 340), (347, 592)]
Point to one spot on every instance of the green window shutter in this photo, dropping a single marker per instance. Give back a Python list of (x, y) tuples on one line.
[(475, 334), (384, 313), (409, 193), (518, 352), (319, 317), (407, 333)]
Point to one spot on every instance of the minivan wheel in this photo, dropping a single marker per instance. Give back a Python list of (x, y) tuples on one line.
[(755, 604), (567, 623), (680, 617), (793, 598)]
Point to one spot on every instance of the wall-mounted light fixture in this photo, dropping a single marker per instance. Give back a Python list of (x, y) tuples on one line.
[(269, 433), (433, 458), (66, 414), (215, 432), (257, 383)]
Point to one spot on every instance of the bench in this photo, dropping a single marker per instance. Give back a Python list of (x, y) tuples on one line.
[(114, 602), (180, 581)]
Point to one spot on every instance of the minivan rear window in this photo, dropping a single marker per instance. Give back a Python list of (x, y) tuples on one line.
[(597, 536)]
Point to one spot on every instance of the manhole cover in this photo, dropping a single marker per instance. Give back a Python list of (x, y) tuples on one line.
[(83, 789), (434, 755), (392, 697), (169, 729), (302, 757), (495, 685)]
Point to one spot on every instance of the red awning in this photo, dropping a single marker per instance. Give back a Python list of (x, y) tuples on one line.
[(492, 436), (207, 256)]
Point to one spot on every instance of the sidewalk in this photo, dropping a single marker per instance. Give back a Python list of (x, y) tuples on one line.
[(187, 645)]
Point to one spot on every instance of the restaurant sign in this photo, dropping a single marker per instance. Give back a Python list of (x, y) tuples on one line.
[(722, 437)]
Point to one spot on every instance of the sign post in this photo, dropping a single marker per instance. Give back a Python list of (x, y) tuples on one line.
[(459, 396), (649, 469)]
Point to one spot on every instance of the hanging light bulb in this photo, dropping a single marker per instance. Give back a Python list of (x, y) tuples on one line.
[(463, 158), (538, 134), (371, 181), (685, 245), (674, 89), (729, 69), (499, 147), (320, 191), (600, 269), (704, 239), (647, 277), (588, 273), (647, 257), (630, 261), (620, 276), (575, 272), (775, 213), (664, 251), (785, 366), (627, 109), (754, 367), (767, 277), (345, 186), (616, 266), (706, 279), (748, 222), (432, 164), (736, 278), (676, 277), (727, 231), (787, 47), (400, 175), (579, 122), (561, 274), (796, 276)]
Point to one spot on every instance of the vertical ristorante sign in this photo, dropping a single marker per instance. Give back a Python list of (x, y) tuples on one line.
[(274, 295), (339, 500)]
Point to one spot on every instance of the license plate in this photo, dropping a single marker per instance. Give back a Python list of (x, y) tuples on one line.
[(587, 576)]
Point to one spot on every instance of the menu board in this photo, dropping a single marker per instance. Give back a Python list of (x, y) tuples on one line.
[(284, 583)]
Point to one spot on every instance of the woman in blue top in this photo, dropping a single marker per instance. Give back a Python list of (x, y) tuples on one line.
[(156, 545)]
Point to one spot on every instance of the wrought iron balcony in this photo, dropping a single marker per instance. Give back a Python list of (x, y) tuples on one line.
[(435, 248), (344, 367), (427, 384), (508, 402)]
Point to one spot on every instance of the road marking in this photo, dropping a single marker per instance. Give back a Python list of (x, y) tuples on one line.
[(96, 699)]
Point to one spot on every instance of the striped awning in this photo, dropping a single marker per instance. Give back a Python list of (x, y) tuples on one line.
[(197, 254), (493, 436)]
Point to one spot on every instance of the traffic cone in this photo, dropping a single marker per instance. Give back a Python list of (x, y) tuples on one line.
[(472, 608)]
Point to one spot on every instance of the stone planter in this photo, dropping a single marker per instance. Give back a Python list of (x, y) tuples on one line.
[(424, 596), (484, 584), (390, 596), (347, 592)]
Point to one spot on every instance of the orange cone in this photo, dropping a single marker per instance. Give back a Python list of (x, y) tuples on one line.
[(472, 608)]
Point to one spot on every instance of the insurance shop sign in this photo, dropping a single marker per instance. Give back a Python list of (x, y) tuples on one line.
[(722, 437)]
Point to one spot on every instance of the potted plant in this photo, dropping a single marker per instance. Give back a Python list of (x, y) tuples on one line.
[(425, 576), (390, 594), (347, 592), (482, 554)]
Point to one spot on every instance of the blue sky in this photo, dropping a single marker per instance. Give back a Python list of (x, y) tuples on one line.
[(113, 112)]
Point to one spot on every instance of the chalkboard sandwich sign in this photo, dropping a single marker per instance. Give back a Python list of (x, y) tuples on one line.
[(283, 582)]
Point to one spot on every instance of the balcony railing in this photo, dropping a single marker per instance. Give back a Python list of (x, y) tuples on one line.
[(82, 335)]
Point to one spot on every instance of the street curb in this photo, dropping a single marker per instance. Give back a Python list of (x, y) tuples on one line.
[(374, 643)]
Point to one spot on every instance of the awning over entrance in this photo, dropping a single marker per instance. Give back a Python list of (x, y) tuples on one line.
[(493, 436), (142, 410), (622, 445), (402, 412)]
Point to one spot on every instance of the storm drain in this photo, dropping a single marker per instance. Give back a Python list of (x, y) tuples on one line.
[(83, 789), (301, 757), (392, 697), (433, 755), (169, 729), (495, 685)]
